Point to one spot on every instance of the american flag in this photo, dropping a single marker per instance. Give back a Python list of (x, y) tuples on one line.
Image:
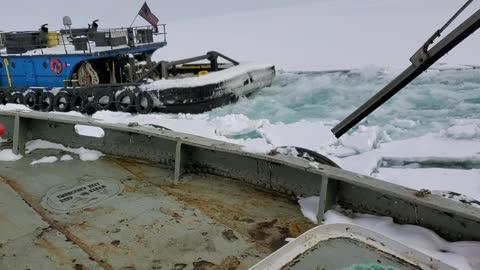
[(147, 14)]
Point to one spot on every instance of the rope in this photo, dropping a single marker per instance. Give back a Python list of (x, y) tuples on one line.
[(87, 75)]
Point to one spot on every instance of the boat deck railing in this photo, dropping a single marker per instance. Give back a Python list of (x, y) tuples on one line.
[(78, 41)]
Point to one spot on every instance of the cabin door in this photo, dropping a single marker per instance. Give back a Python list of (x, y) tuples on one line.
[(30, 74)]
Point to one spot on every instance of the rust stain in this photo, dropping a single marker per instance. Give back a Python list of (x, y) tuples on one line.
[(267, 236), (79, 266), (115, 242), (27, 197), (230, 263), (170, 213), (132, 166), (52, 249), (229, 235)]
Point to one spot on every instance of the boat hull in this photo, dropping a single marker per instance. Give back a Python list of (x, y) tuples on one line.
[(190, 95)]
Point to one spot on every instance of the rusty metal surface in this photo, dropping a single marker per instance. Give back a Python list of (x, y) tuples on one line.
[(16, 217), (204, 222), (184, 153)]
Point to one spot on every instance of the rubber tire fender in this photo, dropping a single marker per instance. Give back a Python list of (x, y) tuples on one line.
[(103, 107), (43, 105), (138, 103), (16, 98), (128, 107), (57, 101), (78, 102), (34, 98), (3, 97)]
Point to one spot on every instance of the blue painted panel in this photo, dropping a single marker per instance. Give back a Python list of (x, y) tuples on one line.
[(35, 71)]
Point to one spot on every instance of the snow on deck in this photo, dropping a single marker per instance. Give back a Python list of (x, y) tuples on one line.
[(462, 255), (210, 78)]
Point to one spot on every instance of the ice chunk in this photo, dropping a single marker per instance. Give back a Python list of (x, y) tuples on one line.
[(362, 140), (467, 131), (306, 134)]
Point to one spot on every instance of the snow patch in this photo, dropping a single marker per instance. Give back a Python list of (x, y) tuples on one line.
[(66, 158), (85, 154), (309, 207), (255, 146), (462, 255), (210, 78), (89, 131), (50, 159), (8, 155), (466, 182)]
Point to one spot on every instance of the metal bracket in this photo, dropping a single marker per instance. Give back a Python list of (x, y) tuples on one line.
[(419, 58)]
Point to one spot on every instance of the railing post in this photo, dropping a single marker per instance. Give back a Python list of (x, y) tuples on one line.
[(19, 134), (179, 162), (164, 33)]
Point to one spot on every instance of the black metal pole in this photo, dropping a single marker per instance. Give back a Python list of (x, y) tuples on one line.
[(413, 71)]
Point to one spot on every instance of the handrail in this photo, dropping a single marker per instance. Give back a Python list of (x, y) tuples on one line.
[(36, 42)]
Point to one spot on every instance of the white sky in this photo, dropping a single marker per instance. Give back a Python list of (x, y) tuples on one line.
[(120, 12), (296, 34)]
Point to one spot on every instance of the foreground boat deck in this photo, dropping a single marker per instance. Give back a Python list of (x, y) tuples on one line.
[(139, 220)]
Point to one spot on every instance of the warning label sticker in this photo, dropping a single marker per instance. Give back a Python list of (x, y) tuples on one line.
[(80, 195)]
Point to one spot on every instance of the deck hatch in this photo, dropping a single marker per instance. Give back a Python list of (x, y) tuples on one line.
[(79, 195)]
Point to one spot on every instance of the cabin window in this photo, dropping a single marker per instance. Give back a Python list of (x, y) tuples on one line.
[(12, 64), (45, 65), (1, 65)]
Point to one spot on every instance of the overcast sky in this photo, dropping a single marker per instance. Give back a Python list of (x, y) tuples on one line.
[(28, 14), (298, 34)]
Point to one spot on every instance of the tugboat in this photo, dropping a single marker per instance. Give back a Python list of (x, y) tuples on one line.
[(91, 69)]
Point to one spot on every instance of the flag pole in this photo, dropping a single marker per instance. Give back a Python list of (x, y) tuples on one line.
[(136, 16), (134, 20)]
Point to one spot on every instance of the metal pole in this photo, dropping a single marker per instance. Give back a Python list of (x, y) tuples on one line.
[(134, 19), (413, 71)]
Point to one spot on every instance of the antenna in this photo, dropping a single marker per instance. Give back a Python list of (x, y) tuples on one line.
[(67, 22)]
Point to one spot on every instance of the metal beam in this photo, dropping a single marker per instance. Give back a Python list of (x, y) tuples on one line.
[(413, 71)]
